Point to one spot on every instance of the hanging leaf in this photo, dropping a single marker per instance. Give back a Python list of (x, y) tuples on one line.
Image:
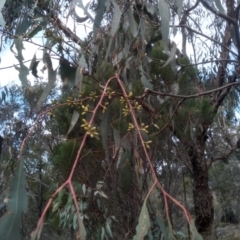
[(117, 58), (10, 223), (2, 21), (105, 131), (117, 140), (219, 6), (126, 170), (3, 96), (34, 31), (78, 81), (34, 69), (150, 8), (23, 24), (51, 81), (158, 212), (195, 234), (33, 66), (179, 5), (165, 20), (82, 234), (142, 30), (143, 223), (144, 80), (171, 55), (132, 22), (116, 18), (109, 48), (23, 70), (74, 120), (79, 76), (99, 15), (6, 90)]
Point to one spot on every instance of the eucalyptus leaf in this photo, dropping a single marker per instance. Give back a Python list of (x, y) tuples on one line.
[(2, 21), (74, 120), (144, 223), (179, 5), (105, 131), (132, 22), (165, 20), (171, 55), (116, 17), (195, 234), (144, 80), (17, 201), (219, 6)]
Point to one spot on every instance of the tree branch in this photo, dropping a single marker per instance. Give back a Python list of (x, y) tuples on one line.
[(229, 85), (222, 158), (226, 17)]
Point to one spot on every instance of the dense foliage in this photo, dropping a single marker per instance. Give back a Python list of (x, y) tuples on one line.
[(131, 136)]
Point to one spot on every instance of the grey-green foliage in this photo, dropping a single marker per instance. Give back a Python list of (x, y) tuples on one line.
[(16, 203), (130, 42)]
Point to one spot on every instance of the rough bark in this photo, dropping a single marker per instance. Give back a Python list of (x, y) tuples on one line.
[(202, 197)]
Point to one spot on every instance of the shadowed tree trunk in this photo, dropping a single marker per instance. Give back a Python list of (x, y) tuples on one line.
[(202, 197)]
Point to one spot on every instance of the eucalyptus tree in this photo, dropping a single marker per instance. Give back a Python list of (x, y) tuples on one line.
[(135, 98)]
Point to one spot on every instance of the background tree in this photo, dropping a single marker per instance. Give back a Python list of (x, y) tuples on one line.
[(135, 111)]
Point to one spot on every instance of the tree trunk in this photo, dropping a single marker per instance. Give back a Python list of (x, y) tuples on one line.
[(202, 197)]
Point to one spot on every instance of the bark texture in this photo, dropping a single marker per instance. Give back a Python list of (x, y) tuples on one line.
[(202, 197)]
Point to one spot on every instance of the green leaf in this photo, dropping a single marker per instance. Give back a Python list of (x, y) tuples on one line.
[(116, 137), (158, 212), (82, 230), (171, 55), (79, 76), (99, 15), (108, 228), (102, 233), (143, 223), (75, 222), (144, 80), (104, 126), (6, 90), (51, 81), (165, 20), (23, 24), (109, 47), (195, 234), (126, 170), (10, 223), (33, 66), (179, 5), (2, 21), (132, 22), (181, 234), (74, 120), (34, 31), (219, 6), (116, 18), (3, 96), (23, 70)]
